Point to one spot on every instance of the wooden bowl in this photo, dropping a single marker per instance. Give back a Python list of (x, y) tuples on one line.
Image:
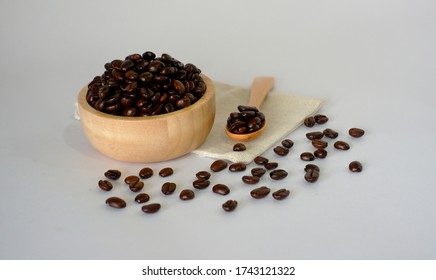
[(151, 138)]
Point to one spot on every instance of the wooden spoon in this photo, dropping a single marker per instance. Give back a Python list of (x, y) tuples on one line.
[(260, 88)]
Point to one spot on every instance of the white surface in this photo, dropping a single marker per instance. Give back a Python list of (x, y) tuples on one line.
[(372, 61)]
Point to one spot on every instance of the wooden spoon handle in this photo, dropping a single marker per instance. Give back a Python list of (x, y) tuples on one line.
[(260, 88)]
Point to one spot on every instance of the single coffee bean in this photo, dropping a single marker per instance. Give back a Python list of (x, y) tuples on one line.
[(239, 147), (271, 165), (218, 165), (261, 160), (314, 135), (230, 205), (105, 185), (319, 144), (311, 167), (281, 151), (321, 119), (307, 156), (168, 188), (237, 167), (203, 175), (187, 194), (260, 192), (165, 172), (341, 145), (221, 189), (251, 180), (281, 194), (151, 208), (136, 187), (288, 143), (320, 153), (278, 174), (309, 122), (201, 184), (356, 132), (146, 173), (311, 176), (355, 166), (330, 133), (112, 174), (116, 202), (142, 198), (132, 179), (258, 171)]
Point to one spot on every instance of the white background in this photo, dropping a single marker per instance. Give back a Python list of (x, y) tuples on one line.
[(373, 62)]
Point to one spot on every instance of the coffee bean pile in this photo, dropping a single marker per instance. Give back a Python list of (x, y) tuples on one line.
[(249, 119), (145, 85)]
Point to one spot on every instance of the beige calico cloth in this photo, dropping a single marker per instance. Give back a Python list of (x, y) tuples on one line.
[(283, 113)]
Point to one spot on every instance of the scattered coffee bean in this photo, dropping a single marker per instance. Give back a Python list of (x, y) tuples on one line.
[(288, 143), (146, 173), (168, 188), (311, 167), (271, 165), (237, 167), (356, 132), (281, 194), (201, 184), (136, 187), (105, 185), (203, 175), (314, 135), (330, 133), (239, 147), (341, 145), (221, 189), (131, 180), (218, 165), (116, 202), (307, 156), (278, 174), (260, 192), (258, 171), (319, 144), (355, 166), (142, 198), (261, 160), (251, 180), (311, 175), (230, 205), (281, 151), (151, 208), (187, 194), (309, 122), (165, 172), (112, 174), (321, 119), (320, 153)]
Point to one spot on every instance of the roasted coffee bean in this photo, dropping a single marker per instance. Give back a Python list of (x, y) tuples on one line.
[(311, 167), (168, 188), (136, 187), (221, 189), (237, 167), (271, 165), (165, 172), (218, 165), (132, 179), (314, 135), (201, 184), (320, 153), (319, 144), (321, 119), (309, 122), (281, 194), (146, 173), (251, 180), (260, 192), (203, 175), (278, 174), (116, 202), (187, 194), (355, 166), (105, 185), (330, 133), (341, 145), (244, 108), (112, 174), (238, 147), (258, 171), (142, 198), (307, 156), (261, 160), (151, 208), (281, 151), (311, 175), (230, 205), (288, 143), (356, 132)]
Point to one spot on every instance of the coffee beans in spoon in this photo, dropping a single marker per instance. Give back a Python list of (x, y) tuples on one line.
[(248, 119)]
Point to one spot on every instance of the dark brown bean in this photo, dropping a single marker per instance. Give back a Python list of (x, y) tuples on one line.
[(321, 119), (281, 151), (319, 144), (330, 133), (320, 153), (307, 156), (151, 208), (221, 189), (239, 147), (271, 165), (168, 188), (218, 165), (132, 179), (311, 167), (165, 172), (237, 167), (203, 175), (261, 160), (260, 192), (355, 166), (116, 202), (251, 180), (258, 171), (136, 187), (146, 173), (112, 174), (288, 143), (314, 135), (281, 194), (341, 145), (309, 121), (201, 184), (278, 174), (105, 185), (311, 175), (187, 194), (142, 198), (230, 205), (356, 132)]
